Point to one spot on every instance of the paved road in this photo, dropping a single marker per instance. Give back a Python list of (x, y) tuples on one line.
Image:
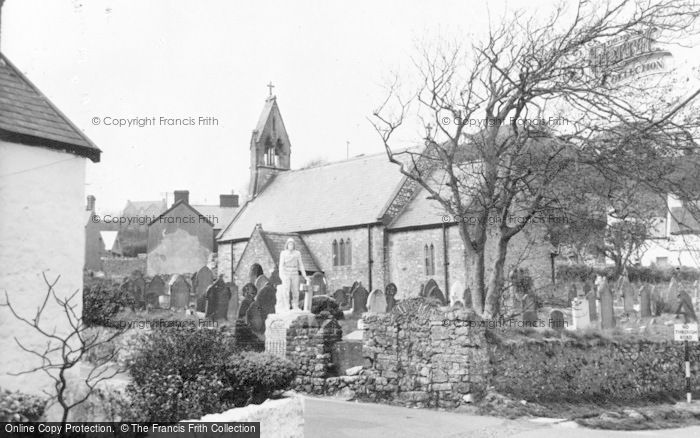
[(339, 419)]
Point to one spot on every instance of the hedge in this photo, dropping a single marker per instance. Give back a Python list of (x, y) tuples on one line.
[(642, 274)]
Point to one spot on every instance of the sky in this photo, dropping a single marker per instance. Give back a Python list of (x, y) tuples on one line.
[(329, 61)]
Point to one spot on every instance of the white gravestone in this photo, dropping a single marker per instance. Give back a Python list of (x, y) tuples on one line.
[(376, 302), (580, 313)]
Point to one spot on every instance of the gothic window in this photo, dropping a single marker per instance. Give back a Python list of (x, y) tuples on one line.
[(335, 253), (341, 251), (429, 258), (348, 252), (269, 158)]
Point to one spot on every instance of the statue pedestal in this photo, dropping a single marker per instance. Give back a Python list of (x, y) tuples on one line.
[(276, 326)]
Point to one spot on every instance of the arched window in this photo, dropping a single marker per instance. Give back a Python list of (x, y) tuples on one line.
[(427, 260), (341, 252), (432, 259), (348, 252), (335, 253)]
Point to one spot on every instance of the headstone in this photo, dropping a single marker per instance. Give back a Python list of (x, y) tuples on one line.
[(685, 307), (557, 320), (179, 293), (202, 280), (580, 313), (592, 304), (456, 292), (275, 279), (529, 309), (318, 284), (138, 285), (432, 291), (645, 301), (212, 297), (232, 313), (255, 319), (587, 288), (607, 314), (627, 293), (339, 297), (155, 289), (390, 294), (222, 298), (468, 298), (261, 282), (573, 293), (359, 300), (267, 299), (376, 302), (671, 295)]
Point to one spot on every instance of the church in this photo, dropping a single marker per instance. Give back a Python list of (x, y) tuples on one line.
[(356, 220)]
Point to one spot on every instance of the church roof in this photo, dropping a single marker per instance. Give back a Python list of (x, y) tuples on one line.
[(345, 193), (28, 116), (275, 244)]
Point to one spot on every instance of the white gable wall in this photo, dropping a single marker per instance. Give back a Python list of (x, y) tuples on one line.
[(42, 229)]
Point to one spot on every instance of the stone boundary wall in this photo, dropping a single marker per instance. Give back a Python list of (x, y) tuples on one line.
[(120, 268), (594, 370), (310, 340)]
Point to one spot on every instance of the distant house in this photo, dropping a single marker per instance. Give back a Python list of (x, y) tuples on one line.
[(134, 235), (43, 158), (182, 239), (676, 239)]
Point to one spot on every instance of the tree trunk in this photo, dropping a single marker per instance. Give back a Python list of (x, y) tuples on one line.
[(493, 292)]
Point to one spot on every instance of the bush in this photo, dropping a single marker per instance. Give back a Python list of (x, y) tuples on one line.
[(323, 303), (102, 301), (185, 373), (642, 274), (19, 407)]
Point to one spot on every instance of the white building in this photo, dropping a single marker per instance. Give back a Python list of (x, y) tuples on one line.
[(42, 216)]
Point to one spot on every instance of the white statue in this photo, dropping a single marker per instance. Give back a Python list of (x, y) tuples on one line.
[(282, 304), (289, 267)]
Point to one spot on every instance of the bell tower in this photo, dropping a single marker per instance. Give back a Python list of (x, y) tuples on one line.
[(269, 147)]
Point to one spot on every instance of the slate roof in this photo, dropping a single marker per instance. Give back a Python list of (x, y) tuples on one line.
[(275, 243), (345, 193), (27, 116), (683, 221), (219, 216)]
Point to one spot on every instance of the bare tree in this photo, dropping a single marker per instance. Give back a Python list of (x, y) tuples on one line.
[(522, 114), (66, 349)]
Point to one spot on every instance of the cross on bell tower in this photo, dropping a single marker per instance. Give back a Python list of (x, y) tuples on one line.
[(270, 87)]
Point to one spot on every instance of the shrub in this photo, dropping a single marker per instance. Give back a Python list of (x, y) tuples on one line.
[(102, 301), (254, 377), (323, 303), (643, 274), (187, 372), (19, 407)]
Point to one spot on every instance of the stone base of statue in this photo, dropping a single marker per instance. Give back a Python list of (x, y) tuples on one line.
[(276, 326)]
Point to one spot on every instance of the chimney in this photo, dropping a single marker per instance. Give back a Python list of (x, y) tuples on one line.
[(90, 199), (230, 201), (182, 195)]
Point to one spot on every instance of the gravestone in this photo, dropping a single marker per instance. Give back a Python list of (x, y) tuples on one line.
[(261, 282), (359, 300), (255, 319), (266, 299), (573, 293), (432, 291), (627, 294), (468, 298), (339, 297), (202, 280), (580, 313), (318, 284), (587, 289), (607, 313), (529, 309), (275, 279), (155, 289), (376, 302), (456, 292), (243, 308), (222, 298), (179, 293), (212, 294), (645, 301), (685, 307), (557, 320), (232, 311), (671, 293), (390, 293), (592, 304), (138, 285)]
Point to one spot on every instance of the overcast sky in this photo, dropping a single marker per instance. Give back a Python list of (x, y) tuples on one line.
[(133, 58)]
